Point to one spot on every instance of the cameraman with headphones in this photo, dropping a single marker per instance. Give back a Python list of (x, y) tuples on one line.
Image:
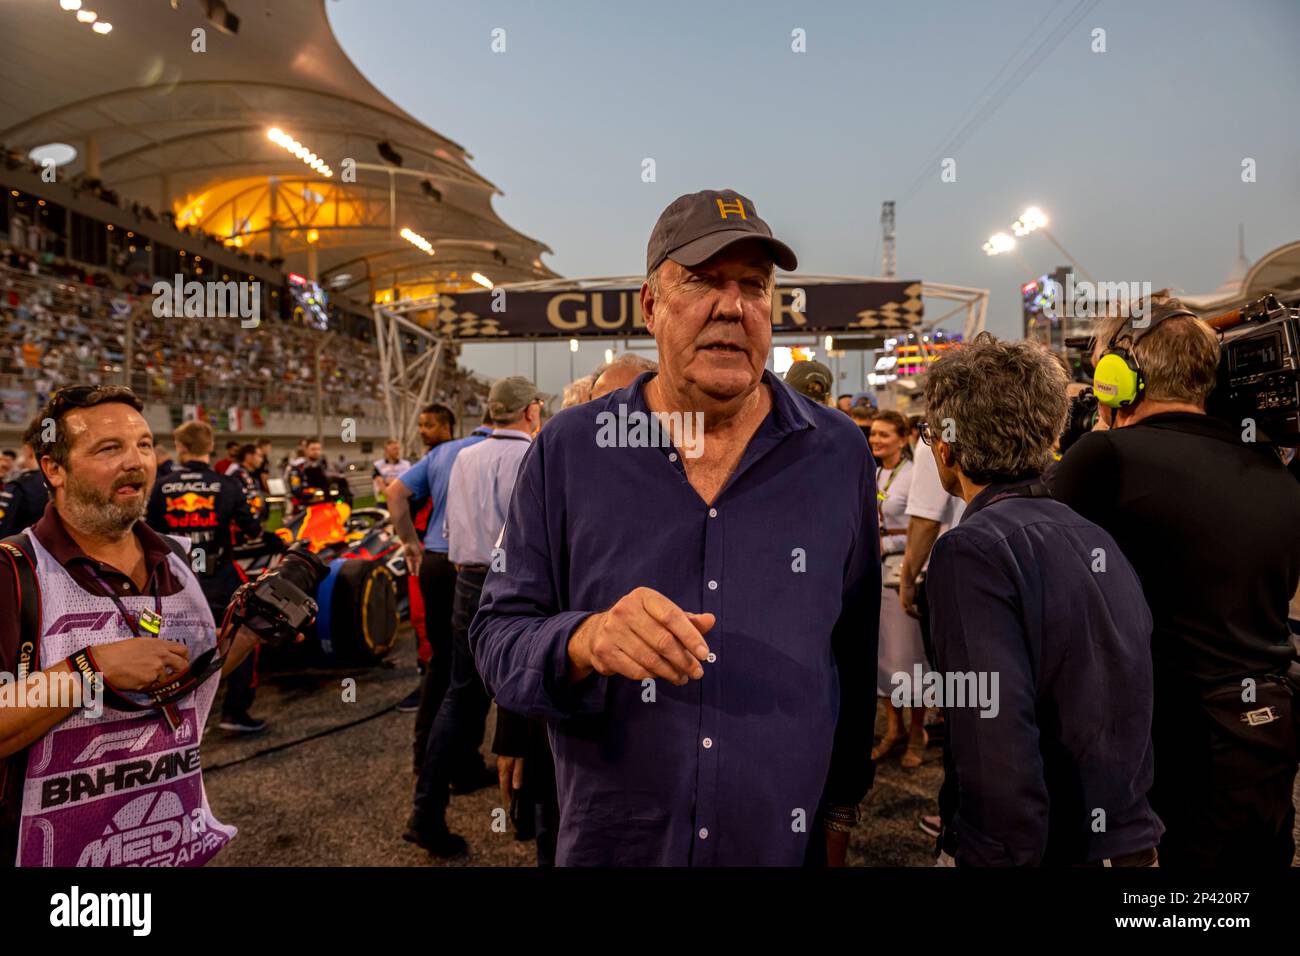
[(1210, 520)]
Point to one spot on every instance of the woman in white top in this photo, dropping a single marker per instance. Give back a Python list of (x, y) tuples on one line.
[(901, 647)]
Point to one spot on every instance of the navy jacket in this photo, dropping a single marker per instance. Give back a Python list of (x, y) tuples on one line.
[(1026, 589), (194, 501)]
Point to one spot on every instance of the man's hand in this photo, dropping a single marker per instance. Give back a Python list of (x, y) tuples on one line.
[(140, 662), (643, 635), (413, 551), (510, 776)]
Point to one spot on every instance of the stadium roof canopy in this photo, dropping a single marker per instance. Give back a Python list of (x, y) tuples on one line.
[(1276, 272), (186, 131)]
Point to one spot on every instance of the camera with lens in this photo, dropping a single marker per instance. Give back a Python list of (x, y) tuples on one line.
[(1259, 372), (1081, 419), (280, 604)]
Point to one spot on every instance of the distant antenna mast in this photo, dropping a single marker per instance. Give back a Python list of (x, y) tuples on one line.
[(887, 261)]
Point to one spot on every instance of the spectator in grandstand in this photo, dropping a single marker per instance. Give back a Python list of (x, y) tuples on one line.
[(212, 511), (93, 554), (1061, 742), (619, 373), (429, 478), (1211, 521), (389, 468), (670, 579), (24, 494), (844, 403), (811, 379), (8, 458), (222, 465), (478, 497), (900, 634)]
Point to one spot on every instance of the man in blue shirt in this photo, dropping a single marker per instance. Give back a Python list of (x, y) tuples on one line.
[(1041, 632), (691, 582), (478, 494), (428, 479)]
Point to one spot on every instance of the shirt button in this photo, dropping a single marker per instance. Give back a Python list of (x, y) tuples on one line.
[(712, 657), (713, 585), (713, 512), (704, 833), (672, 456), (708, 742)]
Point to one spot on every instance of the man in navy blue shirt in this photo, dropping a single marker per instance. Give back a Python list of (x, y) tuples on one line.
[(1041, 632), (691, 582)]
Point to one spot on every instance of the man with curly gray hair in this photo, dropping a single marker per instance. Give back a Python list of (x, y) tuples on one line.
[(1041, 632)]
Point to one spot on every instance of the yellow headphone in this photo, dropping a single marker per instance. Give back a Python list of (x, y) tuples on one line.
[(1118, 381)]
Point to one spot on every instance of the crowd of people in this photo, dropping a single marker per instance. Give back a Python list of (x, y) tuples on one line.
[(69, 330), (684, 676), (61, 322)]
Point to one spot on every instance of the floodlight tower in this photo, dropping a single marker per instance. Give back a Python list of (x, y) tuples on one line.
[(887, 261)]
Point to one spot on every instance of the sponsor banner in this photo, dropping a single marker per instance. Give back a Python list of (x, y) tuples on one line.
[(876, 305)]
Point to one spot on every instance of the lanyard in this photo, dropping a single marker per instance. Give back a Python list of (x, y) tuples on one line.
[(164, 698), (121, 608), (883, 493)]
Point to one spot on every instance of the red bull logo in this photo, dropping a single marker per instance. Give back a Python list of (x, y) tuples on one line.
[(191, 502)]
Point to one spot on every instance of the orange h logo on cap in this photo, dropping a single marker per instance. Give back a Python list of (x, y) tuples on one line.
[(725, 207)]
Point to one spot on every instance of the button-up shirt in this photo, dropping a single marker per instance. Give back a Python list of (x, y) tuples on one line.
[(1025, 590), (730, 769), (429, 477), (478, 495)]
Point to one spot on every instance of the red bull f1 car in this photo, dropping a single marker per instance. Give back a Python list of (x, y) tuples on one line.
[(362, 600)]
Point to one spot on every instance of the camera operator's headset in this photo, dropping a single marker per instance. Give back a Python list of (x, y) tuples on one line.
[(1117, 381)]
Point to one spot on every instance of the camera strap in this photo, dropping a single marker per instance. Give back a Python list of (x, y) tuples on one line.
[(1029, 488), (28, 593), (163, 697)]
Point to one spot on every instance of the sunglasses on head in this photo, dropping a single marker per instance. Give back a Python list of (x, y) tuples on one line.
[(84, 396)]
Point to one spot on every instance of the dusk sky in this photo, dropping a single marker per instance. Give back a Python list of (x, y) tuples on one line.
[(1134, 153)]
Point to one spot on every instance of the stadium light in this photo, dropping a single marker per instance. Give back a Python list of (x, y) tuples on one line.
[(1031, 220), (609, 356), (482, 280), (58, 153), (417, 240), (70, 4), (86, 16), (299, 151), (999, 243), (102, 27), (573, 345)]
